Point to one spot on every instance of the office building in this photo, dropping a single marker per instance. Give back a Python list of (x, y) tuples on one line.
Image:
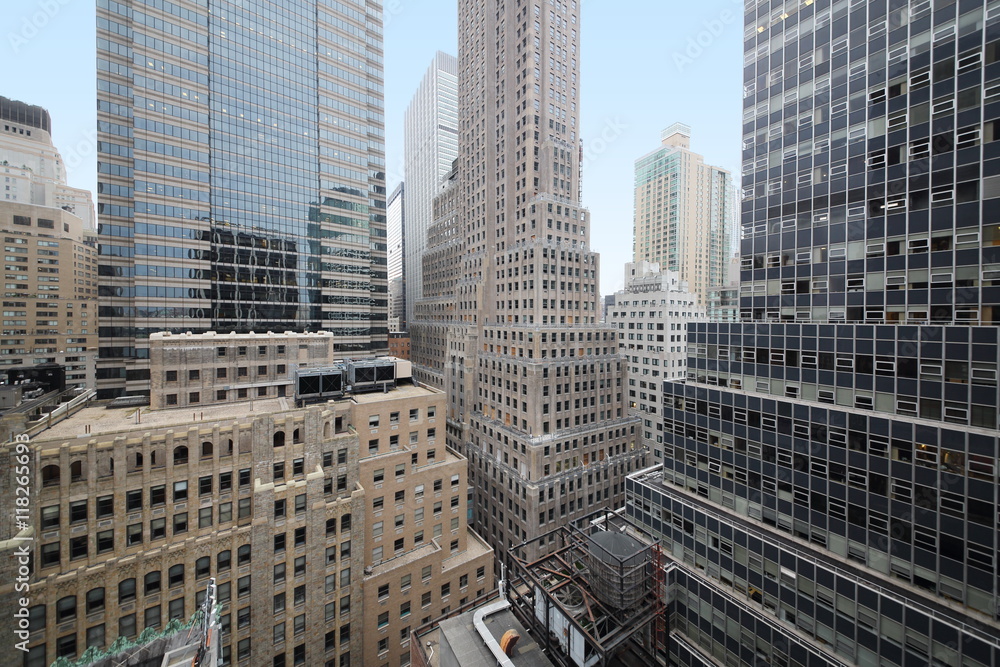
[(684, 213), (535, 382), (399, 344), (34, 171), (50, 250), (194, 370), (430, 140), (829, 479), (396, 222), (330, 530), (652, 315), (241, 175), (436, 316)]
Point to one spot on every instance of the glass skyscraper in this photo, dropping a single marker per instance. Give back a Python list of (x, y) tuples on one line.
[(241, 174), (829, 485)]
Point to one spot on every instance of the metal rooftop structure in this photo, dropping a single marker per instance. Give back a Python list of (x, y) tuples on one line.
[(594, 595)]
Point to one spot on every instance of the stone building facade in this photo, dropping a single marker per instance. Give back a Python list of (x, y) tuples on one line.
[(128, 524), (195, 370), (50, 300), (535, 382)]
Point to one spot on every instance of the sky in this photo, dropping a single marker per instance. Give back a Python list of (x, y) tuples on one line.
[(644, 65)]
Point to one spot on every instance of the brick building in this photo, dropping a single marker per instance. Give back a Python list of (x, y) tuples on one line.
[(289, 510)]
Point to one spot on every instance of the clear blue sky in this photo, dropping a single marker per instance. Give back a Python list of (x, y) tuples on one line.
[(645, 64)]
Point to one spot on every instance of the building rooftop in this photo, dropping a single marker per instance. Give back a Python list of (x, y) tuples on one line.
[(214, 335), (457, 641), (401, 391), (102, 421)]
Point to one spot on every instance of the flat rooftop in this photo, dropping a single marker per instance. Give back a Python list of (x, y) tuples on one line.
[(103, 421), (467, 647), (401, 391)]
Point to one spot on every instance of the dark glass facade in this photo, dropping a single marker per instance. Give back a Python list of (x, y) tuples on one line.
[(831, 464), (241, 174)]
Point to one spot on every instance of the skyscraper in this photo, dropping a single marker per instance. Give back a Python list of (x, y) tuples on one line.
[(830, 468), (430, 147), (241, 175), (652, 315), (684, 213), (50, 251), (535, 381), (396, 231)]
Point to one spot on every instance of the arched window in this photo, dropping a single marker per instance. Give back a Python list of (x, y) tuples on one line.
[(345, 523), (331, 526), (296, 436), (126, 590), (229, 447), (202, 567), (95, 600), (152, 458), (151, 583), (180, 455), (206, 450), (279, 439), (76, 471), (175, 576), (50, 475), (224, 561), (243, 555), (36, 618), (111, 466), (138, 460), (66, 609)]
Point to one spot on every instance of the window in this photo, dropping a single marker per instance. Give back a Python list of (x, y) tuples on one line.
[(50, 554), (126, 590), (133, 500), (78, 547), (105, 541), (50, 517), (105, 506), (126, 626), (66, 609), (95, 600), (66, 646)]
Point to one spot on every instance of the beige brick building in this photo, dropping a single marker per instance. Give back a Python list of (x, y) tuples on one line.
[(50, 252), (510, 325), (195, 370), (50, 295), (302, 516)]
